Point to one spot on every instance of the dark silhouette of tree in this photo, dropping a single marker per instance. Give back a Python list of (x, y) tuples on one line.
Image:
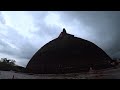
[(9, 64), (8, 61)]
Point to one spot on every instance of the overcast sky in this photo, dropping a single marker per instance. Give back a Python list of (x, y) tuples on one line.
[(22, 33)]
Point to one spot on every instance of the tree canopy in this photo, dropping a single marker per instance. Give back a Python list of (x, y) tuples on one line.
[(9, 64)]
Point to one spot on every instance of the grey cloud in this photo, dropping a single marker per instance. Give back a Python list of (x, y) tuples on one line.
[(2, 20), (27, 50), (5, 48), (45, 32), (105, 27), (24, 48), (38, 17)]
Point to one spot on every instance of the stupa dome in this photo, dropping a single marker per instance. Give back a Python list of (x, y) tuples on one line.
[(68, 54)]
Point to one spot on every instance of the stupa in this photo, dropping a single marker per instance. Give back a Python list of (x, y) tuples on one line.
[(68, 54)]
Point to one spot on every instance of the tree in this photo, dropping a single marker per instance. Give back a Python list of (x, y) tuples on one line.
[(8, 61), (12, 62), (9, 64)]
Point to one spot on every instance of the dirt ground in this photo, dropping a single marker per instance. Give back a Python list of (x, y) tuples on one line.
[(103, 74)]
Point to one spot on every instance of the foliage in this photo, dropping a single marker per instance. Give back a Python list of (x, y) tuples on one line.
[(9, 64), (8, 61)]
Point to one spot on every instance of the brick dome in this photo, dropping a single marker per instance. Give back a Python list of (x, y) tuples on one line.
[(68, 54)]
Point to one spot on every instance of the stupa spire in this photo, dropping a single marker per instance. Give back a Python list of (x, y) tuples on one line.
[(63, 33), (64, 30)]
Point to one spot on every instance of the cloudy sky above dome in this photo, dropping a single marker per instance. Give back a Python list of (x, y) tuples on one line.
[(22, 33)]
